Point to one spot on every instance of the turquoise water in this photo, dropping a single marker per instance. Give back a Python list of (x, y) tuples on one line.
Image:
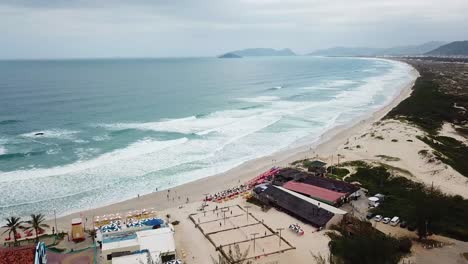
[(76, 134)]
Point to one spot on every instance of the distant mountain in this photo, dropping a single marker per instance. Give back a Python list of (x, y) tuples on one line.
[(452, 49), (413, 49), (345, 51), (229, 56), (261, 52), (394, 51)]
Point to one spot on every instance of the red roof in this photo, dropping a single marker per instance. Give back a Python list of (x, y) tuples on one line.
[(17, 255), (314, 191)]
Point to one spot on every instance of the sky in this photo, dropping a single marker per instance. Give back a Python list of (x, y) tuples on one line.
[(181, 28)]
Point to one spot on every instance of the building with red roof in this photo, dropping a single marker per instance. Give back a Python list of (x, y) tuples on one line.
[(18, 255), (315, 192)]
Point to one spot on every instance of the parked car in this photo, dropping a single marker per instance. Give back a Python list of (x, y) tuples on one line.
[(395, 220), (370, 215), (378, 218), (403, 224), (386, 220)]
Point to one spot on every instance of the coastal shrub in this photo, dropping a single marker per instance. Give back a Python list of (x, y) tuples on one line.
[(450, 151), (339, 172), (358, 242), (394, 140), (463, 131), (427, 106), (379, 137), (388, 158), (355, 163), (416, 203)]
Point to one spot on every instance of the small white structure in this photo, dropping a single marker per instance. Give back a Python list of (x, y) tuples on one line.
[(133, 247), (373, 201)]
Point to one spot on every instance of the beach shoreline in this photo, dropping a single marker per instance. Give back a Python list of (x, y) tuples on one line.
[(194, 191)]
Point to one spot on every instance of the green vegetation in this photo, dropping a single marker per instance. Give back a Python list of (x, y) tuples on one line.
[(427, 208), (14, 224), (37, 224), (355, 163), (236, 256), (463, 131), (388, 158), (337, 171), (359, 242), (427, 107), (379, 137), (92, 234), (450, 151), (394, 169), (56, 249)]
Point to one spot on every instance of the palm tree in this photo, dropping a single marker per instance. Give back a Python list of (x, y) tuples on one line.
[(92, 234), (237, 256), (13, 224), (37, 224)]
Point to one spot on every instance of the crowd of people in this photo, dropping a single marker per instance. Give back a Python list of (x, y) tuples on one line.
[(227, 193)]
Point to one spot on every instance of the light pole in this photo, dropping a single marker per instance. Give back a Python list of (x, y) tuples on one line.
[(254, 236), (247, 207), (55, 220), (224, 210), (279, 231)]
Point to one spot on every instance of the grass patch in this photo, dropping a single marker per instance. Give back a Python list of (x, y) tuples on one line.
[(416, 203), (355, 163), (358, 242), (337, 171), (462, 131), (450, 151), (388, 158), (427, 106)]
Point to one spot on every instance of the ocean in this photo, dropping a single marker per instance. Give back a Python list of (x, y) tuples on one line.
[(77, 134)]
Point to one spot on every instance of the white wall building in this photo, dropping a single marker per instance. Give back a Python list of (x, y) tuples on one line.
[(135, 247)]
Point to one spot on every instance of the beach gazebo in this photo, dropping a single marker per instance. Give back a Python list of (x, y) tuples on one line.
[(77, 231)]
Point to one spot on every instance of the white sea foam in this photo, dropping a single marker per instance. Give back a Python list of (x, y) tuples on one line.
[(339, 83), (2, 150), (225, 139), (113, 158), (101, 138), (53, 133), (260, 99)]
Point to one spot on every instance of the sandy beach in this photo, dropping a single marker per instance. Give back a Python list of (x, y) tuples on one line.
[(390, 138), (326, 149)]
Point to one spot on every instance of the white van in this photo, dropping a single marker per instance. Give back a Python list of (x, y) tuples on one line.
[(395, 220)]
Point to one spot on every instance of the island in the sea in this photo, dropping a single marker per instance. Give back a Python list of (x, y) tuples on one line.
[(257, 52), (229, 55)]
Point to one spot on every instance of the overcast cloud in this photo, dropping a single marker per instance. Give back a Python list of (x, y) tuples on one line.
[(154, 28)]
